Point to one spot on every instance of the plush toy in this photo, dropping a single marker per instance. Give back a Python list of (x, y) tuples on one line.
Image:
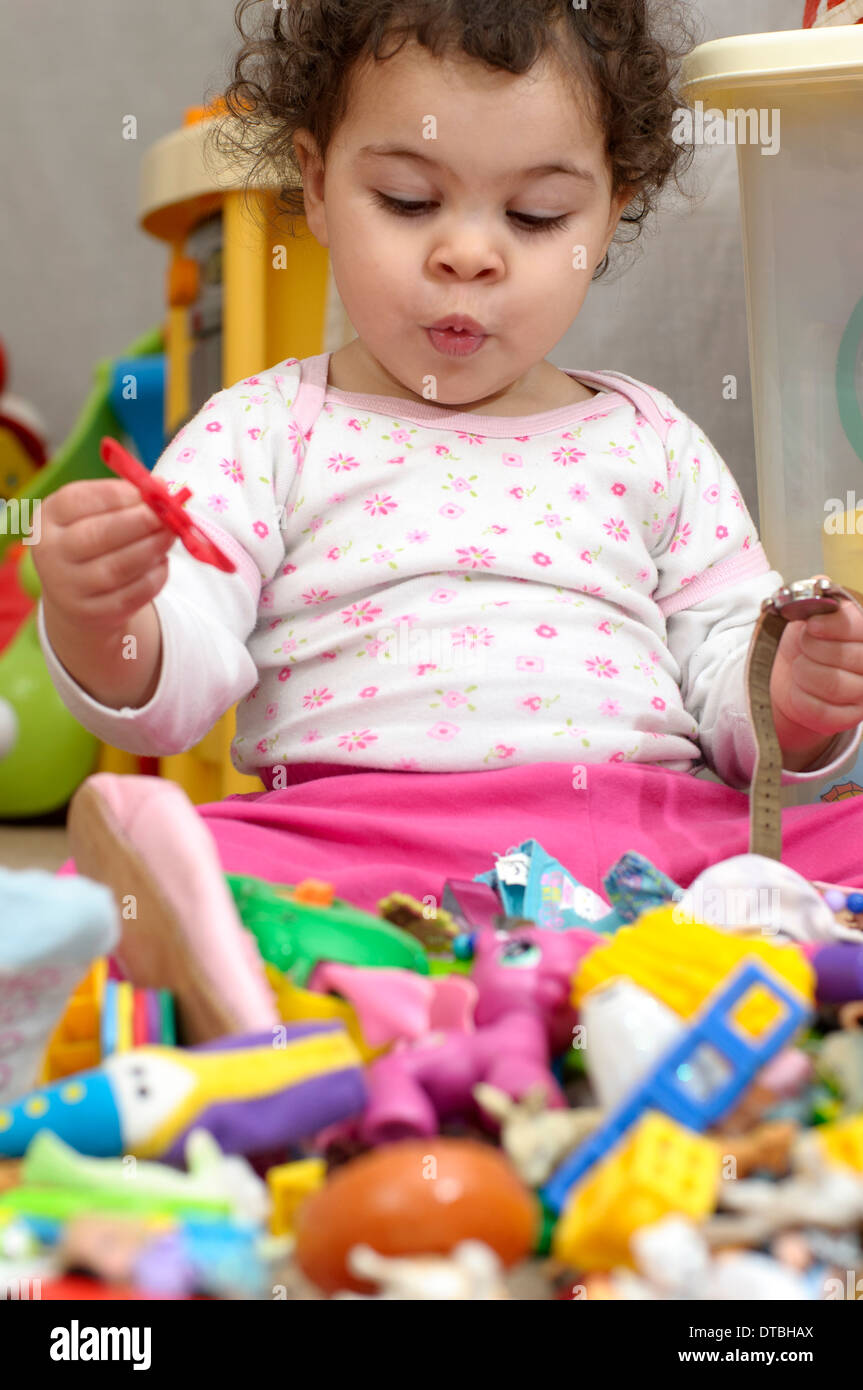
[(253, 1094)]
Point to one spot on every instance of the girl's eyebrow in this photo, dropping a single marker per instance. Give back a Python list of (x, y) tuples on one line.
[(537, 171)]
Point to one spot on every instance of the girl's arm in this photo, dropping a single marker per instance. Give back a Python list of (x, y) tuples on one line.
[(157, 683), (204, 666), (713, 575), (99, 662)]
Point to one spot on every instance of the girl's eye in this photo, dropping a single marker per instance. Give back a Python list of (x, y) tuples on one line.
[(524, 221), (400, 207)]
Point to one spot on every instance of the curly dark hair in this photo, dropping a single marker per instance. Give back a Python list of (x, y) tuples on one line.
[(294, 71)]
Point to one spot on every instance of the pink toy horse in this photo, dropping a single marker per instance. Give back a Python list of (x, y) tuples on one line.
[(521, 1016)]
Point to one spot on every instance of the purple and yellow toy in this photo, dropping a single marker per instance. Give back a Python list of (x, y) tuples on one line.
[(254, 1094)]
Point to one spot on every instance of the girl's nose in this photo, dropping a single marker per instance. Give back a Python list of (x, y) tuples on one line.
[(467, 258)]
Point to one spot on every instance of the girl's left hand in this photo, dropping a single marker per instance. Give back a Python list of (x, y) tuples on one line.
[(816, 686)]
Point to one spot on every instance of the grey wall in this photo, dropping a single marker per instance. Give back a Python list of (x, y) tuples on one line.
[(80, 281)]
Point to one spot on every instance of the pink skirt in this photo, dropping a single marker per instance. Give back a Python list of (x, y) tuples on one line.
[(373, 833)]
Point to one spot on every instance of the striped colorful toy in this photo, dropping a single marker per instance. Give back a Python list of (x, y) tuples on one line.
[(105, 1016)]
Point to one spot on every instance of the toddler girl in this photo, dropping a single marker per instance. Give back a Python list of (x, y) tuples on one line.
[(477, 599)]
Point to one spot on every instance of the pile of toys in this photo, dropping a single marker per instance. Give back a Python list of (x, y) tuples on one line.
[(524, 1092)]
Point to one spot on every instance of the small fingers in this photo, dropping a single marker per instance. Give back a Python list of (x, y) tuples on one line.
[(112, 609), (123, 566), (76, 500)]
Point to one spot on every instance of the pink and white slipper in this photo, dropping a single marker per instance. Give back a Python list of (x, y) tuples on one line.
[(179, 927)]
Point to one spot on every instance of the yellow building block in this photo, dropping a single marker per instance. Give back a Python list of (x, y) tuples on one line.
[(682, 963), (290, 1184), (842, 1142), (661, 1168), (75, 1043)]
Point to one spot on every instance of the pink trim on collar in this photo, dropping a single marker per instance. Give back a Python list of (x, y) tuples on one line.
[(313, 390)]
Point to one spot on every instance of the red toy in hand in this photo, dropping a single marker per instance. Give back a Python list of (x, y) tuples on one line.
[(168, 506)]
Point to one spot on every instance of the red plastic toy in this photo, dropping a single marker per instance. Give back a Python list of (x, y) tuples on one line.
[(168, 506)]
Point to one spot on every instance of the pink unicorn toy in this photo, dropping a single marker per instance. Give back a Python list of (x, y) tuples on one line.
[(501, 1026)]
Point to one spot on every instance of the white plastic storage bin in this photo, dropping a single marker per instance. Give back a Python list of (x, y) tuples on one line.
[(802, 209)]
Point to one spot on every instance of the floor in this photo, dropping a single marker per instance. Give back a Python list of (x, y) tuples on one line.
[(33, 846)]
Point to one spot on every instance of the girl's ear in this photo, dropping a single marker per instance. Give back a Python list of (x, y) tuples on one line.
[(620, 200), (312, 174), (618, 204)]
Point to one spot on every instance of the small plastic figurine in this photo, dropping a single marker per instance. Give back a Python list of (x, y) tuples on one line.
[(470, 1273), (520, 982), (819, 1193), (767, 1148), (674, 1262), (106, 1246), (840, 1058), (536, 1139), (531, 969), (433, 927)]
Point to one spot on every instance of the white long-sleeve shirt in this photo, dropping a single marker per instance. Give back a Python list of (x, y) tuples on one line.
[(422, 589)]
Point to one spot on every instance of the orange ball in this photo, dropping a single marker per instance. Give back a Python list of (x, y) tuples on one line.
[(416, 1197)]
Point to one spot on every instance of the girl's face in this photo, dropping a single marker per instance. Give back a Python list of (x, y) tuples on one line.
[(453, 190)]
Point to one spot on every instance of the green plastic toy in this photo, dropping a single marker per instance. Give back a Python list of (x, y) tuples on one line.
[(78, 457), (52, 753), (58, 1183), (295, 937)]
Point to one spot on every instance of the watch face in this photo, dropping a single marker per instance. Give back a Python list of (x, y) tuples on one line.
[(804, 598)]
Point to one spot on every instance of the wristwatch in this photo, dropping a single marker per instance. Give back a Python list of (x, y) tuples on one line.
[(792, 603)]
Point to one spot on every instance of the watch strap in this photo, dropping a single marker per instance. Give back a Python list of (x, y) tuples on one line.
[(765, 793)]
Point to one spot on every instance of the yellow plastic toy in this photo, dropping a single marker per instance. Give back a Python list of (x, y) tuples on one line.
[(290, 1184), (75, 1044), (682, 964), (662, 1168), (101, 1019), (842, 1142), (296, 1005), (242, 294)]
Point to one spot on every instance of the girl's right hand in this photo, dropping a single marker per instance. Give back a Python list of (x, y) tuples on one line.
[(101, 555)]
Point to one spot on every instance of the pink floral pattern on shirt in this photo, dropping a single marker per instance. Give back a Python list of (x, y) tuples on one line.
[(491, 603)]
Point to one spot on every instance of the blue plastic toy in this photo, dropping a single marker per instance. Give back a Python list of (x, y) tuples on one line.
[(713, 1042)]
